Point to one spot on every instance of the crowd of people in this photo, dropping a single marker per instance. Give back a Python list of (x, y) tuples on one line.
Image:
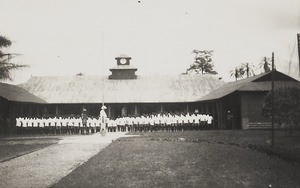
[(161, 122), (142, 123)]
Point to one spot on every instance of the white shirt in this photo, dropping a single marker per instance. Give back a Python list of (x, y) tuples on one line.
[(64, 122), (138, 120), (18, 122), (110, 123), (209, 119), (186, 119), (115, 123), (41, 122), (151, 120), (89, 122), (34, 123), (121, 121), (29, 122), (168, 120)]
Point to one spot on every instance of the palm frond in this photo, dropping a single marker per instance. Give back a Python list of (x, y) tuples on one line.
[(4, 42), (6, 69)]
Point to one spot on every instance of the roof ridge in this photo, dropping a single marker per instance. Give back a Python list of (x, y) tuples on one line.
[(146, 88), (142, 75)]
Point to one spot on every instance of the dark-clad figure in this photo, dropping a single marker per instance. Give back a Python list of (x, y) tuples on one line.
[(229, 119), (84, 120)]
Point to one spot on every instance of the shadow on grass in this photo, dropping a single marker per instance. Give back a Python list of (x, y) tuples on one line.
[(13, 147)]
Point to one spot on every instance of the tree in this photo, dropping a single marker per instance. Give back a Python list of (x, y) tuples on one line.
[(80, 74), (242, 70), (238, 72), (203, 63), (6, 67), (265, 64), (248, 69), (286, 107)]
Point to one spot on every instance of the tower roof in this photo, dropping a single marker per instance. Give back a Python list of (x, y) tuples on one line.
[(122, 56)]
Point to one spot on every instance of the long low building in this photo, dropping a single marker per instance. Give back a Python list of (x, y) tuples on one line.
[(125, 93)]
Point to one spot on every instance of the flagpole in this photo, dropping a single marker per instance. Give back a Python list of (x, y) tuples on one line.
[(272, 99), (103, 85), (298, 41)]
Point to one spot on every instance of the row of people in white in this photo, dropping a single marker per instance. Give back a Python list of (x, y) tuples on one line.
[(153, 119), (164, 119), (58, 122)]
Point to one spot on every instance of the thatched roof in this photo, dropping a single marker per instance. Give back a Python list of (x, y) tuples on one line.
[(260, 82), (144, 89), (17, 94)]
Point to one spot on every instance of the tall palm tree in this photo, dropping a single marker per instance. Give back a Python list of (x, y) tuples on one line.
[(265, 64), (238, 72), (6, 67), (248, 69)]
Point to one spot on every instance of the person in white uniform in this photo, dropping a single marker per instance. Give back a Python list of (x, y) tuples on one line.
[(103, 119)]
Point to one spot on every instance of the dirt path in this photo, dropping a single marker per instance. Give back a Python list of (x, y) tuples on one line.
[(47, 166)]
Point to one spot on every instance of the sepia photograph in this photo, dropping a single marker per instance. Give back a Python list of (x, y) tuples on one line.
[(149, 93)]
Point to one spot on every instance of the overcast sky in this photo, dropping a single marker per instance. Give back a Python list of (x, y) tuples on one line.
[(65, 37)]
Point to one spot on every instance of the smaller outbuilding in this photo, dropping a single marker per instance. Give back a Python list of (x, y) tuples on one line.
[(14, 102), (238, 105)]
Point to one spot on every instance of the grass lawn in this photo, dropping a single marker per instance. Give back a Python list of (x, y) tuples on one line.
[(15, 146), (241, 137), (287, 148), (161, 159)]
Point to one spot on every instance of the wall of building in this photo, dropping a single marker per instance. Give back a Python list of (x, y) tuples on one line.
[(123, 74), (9, 111), (4, 114), (113, 110), (251, 109), (230, 111)]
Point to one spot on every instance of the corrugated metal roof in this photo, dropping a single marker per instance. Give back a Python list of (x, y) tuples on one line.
[(251, 84), (15, 93), (266, 86), (144, 89)]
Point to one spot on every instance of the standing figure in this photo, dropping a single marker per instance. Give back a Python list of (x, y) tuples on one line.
[(103, 119), (229, 119), (84, 120)]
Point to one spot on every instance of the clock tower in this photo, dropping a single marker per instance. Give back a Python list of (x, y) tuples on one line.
[(123, 60), (123, 70)]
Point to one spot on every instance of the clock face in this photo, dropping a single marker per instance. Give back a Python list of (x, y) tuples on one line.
[(123, 61)]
